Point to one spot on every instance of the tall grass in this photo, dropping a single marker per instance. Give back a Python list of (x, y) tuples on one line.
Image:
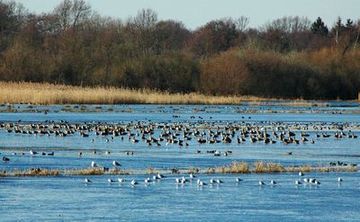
[(233, 168), (269, 167), (45, 93)]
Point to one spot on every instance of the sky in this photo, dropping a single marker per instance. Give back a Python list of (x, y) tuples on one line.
[(195, 13)]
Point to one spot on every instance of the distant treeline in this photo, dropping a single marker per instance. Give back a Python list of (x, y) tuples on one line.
[(291, 57)]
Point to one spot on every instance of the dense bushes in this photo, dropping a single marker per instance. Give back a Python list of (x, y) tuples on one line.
[(324, 74), (290, 57)]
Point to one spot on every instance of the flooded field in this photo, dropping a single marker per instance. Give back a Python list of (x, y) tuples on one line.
[(185, 143)]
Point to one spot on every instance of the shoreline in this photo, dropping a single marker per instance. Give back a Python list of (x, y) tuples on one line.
[(51, 94)]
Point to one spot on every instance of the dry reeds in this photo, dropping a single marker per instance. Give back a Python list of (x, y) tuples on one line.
[(36, 172), (263, 167), (45, 93), (269, 167), (233, 168)]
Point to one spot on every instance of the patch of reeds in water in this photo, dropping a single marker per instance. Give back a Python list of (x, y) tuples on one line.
[(35, 172), (269, 167), (233, 168)]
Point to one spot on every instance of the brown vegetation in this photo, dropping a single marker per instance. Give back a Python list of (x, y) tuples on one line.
[(37, 93), (269, 167), (233, 168), (290, 57)]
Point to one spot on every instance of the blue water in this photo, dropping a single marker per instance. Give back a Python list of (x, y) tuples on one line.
[(67, 198)]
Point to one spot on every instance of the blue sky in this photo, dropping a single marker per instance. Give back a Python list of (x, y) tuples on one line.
[(194, 13)]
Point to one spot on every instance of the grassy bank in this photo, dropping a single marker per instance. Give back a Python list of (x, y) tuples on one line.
[(46, 94), (43, 93)]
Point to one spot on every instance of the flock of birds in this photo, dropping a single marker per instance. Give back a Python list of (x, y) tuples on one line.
[(182, 133), (185, 134), (213, 181)]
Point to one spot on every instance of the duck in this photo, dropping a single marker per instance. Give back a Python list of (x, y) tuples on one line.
[(218, 181), (134, 182), (32, 153), (261, 183), (5, 159), (147, 180), (93, 164), (160, 176), (116, 163), (200, 183), (238, 180)]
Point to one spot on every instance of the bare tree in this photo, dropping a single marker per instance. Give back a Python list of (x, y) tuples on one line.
[(242, 23), (72, 12)]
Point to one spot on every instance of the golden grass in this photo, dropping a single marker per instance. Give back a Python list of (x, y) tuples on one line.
[(36, 172), (45, 94), (233, 168), (263, 167), (87, 171), (268, 167)]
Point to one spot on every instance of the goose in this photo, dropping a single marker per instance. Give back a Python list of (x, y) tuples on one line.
[(87, 180), (134, 182), (93, 164), (116, 163), (238, 180)]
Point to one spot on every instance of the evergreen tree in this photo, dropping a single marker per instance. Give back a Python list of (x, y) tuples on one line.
[(319, 27)]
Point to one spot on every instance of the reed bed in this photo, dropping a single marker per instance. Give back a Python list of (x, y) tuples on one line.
[(233, 168), (36, 172), (47, 94), (261, 167)]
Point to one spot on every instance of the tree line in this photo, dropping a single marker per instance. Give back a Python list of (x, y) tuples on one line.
[(290, 57)]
